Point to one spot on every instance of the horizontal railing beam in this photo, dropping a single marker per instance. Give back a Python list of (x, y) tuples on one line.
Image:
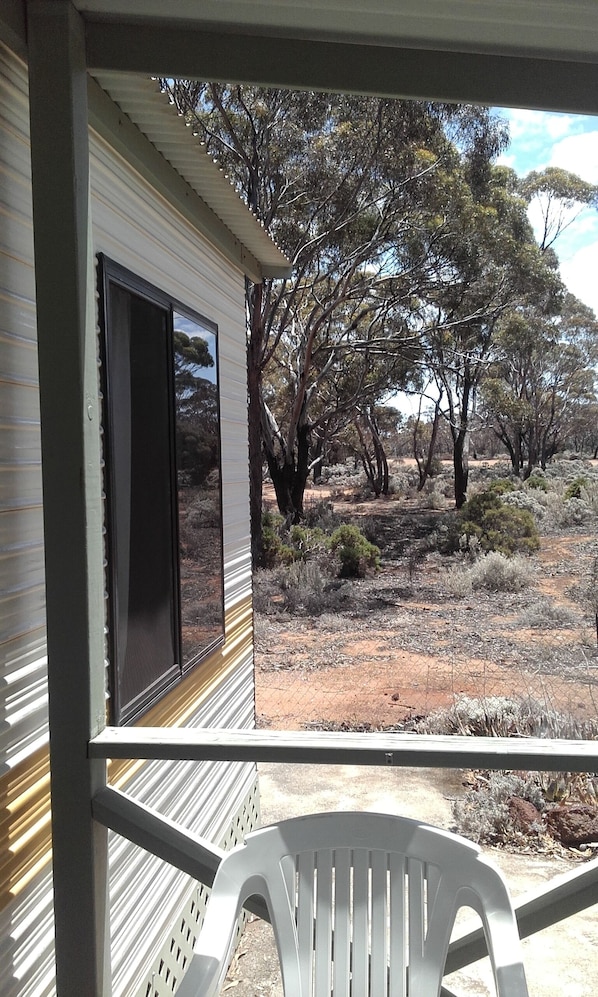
[(331, 748)]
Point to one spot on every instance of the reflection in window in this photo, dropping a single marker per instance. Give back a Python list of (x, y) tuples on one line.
[(199, 493), (163, 510)]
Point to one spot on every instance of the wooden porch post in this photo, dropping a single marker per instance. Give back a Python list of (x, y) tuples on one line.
[(71, 487)]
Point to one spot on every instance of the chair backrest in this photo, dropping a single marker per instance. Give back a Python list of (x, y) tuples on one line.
[(362, 904)]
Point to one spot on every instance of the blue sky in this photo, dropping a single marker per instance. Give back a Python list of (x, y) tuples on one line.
[(570, 141)]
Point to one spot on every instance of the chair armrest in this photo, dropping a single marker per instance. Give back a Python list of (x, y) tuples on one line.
[(213, 948)]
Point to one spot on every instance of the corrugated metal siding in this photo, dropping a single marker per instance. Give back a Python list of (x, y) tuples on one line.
[(22, 627), (147, 895), (26, 916), (139, 230)]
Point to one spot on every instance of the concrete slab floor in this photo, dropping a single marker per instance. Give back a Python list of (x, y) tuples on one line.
[(561, 961)]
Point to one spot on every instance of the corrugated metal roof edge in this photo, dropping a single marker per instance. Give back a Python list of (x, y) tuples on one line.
[(152, 111)]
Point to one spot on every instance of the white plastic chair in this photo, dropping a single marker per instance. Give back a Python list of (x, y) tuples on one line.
[(361, 904)]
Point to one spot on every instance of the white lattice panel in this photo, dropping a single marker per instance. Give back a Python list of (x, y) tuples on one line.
[(169, 966)]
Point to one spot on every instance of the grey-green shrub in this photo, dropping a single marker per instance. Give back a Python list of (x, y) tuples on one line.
[(537, 481), (545, 613), (483, 814), (525, 500), (498, 573), (573, 490)]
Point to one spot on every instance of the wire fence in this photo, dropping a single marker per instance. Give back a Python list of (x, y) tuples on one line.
[(402, 649)]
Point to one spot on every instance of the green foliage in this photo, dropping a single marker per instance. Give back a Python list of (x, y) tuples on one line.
[(500, 486), (308, 544), (573, 491), (499, 527), (559, 195), (307, 541), (355, 552), (274, 550), (190, 351), (537, 483)]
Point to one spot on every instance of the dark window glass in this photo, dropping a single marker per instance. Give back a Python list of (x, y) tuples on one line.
[(164, 521)]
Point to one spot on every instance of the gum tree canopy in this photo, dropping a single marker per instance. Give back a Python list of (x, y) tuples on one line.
[(349, 188)]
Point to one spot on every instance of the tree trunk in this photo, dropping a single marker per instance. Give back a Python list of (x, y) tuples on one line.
[(254, 402), (301, 470), (460, 434), (318, 457), (461, 467), (514, 451), (289, 477), (425, 467), (282, 474)]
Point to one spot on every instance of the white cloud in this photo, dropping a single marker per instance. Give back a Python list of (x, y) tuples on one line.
[(579, 274), (578, 154), (559, 125), (540, 126), (523, 124), (540, 139)]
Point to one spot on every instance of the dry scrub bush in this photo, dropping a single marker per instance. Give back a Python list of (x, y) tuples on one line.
[(562, 514), (545, 613), (503, 716), (302, 588), (320, 514), (456, 581), (494, 572), (490, 716), (432, 498), (498, 573), (483, 813)]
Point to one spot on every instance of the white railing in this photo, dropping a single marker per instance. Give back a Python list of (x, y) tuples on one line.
[(326, 747)]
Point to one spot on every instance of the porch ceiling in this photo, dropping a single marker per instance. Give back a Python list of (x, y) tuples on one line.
[(559, 29), (520, 53)]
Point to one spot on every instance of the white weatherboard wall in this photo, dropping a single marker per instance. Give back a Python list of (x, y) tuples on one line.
[(154, 909)]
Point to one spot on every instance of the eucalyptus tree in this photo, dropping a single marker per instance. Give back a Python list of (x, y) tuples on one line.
[(542, 389), (345, 185), (488, 263), (556, 198)]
